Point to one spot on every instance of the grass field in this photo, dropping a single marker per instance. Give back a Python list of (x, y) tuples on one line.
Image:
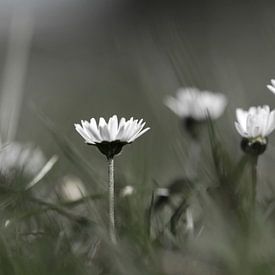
[(183, 206)]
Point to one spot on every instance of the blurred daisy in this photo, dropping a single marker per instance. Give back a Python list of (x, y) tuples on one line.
[(271, 86), (162, 192), (19, 158), (191, 103), (112, 136), (128, 190), (72, 189), (255, 125)]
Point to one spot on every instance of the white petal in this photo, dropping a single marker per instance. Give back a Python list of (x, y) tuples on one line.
[(86, 127), (266, 115), (139, 134), (113, 127), (250, 125), (122, 122), (105, 134), (121, 129), (102, 122), (241, 118), (271, 88), (80, 130), (140, 122), (94, 130), (132, 130), (240, 130), (252, 110), (271, 123), (124, 135), (103, 130)]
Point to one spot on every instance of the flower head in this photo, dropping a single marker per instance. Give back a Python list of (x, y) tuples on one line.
[(271, 86), (72, 189), (16, 157), (128, 190), (111, 136), (255, 125), (191, 103)]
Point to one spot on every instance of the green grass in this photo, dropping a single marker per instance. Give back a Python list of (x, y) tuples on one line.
[(47, 235)]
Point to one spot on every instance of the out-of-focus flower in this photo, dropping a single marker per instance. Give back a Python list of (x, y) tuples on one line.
[(189, 221), (72, 189), (191, 103), (7, 222), (255, 125), (257, 122), (16, 157), (271, 86), (162, 192), (128, 190), (112, 136)]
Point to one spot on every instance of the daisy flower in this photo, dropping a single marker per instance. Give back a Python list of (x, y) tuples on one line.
[(111, 136), (191, 103), (255, 125)]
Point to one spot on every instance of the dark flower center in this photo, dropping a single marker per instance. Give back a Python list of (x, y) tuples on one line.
[(254, 147), (110, 148), (193, 126)]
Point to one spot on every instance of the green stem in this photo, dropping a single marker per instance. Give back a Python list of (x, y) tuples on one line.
[(111, 186), (250, 221), (254, 161)]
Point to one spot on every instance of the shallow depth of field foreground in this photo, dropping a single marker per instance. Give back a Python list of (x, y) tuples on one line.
[(137, 137)]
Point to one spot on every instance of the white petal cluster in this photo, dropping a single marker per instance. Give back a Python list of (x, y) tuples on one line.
[(193, 103), (271, 86), (257, 122), (124, 130)]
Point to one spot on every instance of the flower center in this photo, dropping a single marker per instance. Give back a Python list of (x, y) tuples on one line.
[(110, 148), (254, 146)]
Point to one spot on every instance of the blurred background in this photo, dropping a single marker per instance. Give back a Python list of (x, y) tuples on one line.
[(72, 60), (95, 58), (92, 58)]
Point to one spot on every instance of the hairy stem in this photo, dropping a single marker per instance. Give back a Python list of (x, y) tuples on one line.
[(111, 186), (254, 162)]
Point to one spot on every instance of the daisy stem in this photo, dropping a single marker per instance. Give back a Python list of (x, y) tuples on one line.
[(254, 161), (111, 186)]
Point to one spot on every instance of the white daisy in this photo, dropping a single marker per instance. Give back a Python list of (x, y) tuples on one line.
[(271, 86), (112, 136), (257, 122), (195, 104), (255, 125)]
